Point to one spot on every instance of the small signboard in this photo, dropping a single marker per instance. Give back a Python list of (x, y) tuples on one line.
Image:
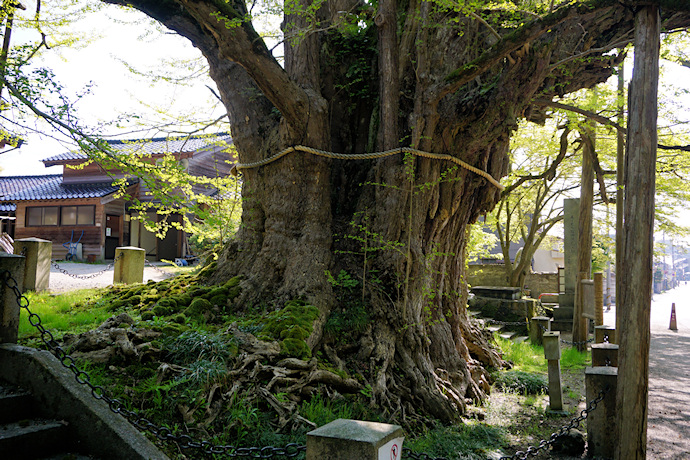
[(392, 450)]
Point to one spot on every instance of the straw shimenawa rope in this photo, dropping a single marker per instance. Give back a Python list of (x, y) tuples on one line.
[(367, 156)]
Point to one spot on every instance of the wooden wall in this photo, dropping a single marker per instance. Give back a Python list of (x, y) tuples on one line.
[(93, 239)]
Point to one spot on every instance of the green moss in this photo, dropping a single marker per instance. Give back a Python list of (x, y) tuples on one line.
[(219, 300), (207, 270), (197, 307), (147, 315), (161, 310), (216, 292), (291, 326), (179, 319)]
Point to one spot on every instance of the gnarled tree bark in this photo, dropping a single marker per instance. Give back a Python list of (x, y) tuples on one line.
[(444, 84)]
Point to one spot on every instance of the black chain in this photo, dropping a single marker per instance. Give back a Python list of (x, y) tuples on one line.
[(565, 342), (407, 453), (574, 423), (92, 275), (505, 323), (159, 270), (98, 392)]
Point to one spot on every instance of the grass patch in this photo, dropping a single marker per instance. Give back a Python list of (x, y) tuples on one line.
[(528, 357), (524, 383), (62, 313), (475, 440)]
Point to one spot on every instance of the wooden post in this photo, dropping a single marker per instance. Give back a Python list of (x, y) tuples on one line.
[(9, 307), (598, 299), (620, 165), (353, 439), (580, 322), (638, 224), (552, 353)]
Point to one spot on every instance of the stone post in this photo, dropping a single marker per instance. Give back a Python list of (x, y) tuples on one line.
[(129, 265), (9, 307), (354, 439), (598, 299), (601, 422), (38, 253), (552, 352), (605, 333), (605, 354), (535, 328)]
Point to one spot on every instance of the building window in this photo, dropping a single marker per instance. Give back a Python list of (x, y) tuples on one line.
[(38, 216), (77, 215), (66, 215)]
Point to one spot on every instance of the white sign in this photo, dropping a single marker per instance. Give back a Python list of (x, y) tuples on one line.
[(392, 450)]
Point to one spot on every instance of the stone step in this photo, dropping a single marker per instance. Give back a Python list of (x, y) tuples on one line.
[(32, 439), (520, 339), (15, 404), (494, 327), (508, 335)]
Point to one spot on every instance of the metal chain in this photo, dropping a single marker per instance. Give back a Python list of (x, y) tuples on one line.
[(115, 405), (505, 323), (146, 262), (407, 453), (574, 423), (92, 275), (566, 342)]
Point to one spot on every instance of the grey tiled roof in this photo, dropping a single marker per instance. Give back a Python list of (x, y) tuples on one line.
[(152, 146), (8, 207), (55, 190), (10, 185)]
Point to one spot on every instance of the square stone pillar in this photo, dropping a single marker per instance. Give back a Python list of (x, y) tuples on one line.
[(537, 326), (601, 422), (129, 265), (605, 334), (354, 439), (604, 354), (38, 254), (9, 307), (552, 353)]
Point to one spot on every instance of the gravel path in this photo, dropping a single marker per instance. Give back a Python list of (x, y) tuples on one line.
[(97, 275), (668, 421)]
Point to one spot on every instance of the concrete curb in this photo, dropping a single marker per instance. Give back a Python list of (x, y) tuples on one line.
[(100, 431)]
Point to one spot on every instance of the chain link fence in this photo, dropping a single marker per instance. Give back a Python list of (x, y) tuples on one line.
[(91, 275)]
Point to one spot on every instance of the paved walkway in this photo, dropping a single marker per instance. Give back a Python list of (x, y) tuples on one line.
[(98, 275), (668, 422)]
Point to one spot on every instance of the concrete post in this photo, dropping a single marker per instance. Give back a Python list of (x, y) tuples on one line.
[(598, 299), (129, 265), (552, 352), (604, 354), (9, 308), (38, 253), (605, 334), (535, 328), (354, 439), (601, 422)]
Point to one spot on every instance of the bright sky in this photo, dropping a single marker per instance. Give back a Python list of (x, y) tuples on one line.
[(115, 89)]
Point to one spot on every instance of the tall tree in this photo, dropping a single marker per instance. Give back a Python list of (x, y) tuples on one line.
[(446, 78)]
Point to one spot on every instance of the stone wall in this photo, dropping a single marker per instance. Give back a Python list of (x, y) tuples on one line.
[(494, 275)]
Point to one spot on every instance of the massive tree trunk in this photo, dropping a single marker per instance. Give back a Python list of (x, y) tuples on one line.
[(433, 79)]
